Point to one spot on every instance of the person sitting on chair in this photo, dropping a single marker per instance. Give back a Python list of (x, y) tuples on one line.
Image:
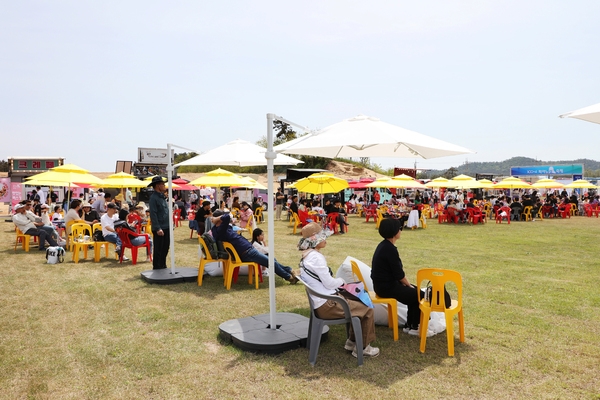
[(389, 279), (29, 227), (222, 231), (108, 228), (317, 275), (246, 215)]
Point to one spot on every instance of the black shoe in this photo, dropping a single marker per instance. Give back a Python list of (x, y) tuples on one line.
[(42, 249)]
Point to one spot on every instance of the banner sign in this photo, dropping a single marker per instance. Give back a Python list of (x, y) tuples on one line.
[(5, 194), (16, 195), (574, 169), (155, 156)]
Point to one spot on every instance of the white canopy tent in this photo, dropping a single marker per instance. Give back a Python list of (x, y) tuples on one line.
[(590, 114), (364, 136)]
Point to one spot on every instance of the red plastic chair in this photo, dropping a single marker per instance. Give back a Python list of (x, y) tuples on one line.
[(506, 215), (474, 215), (135, 218), (177, 217), (303, 215), (371, 212), (452, 215), (332, 222), (565, 210), (126, 243)]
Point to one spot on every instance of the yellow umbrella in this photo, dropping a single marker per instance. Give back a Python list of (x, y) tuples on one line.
[(218, 177), (252, 183), (581, 184), (438, 183), (398, 182), (512, 183), (64, 177), (487, 184), (321, 183), (464, 182), (547, 184), (122, 180)]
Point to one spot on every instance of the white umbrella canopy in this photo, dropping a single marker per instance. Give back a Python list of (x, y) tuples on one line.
[(590, 114), (364, 136), (238, 153)]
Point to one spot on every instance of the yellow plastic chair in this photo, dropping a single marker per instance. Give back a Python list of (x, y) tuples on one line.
[(98, 245), (235, 262), (423, 219), (379, 218), (296, 221), (23, 239), (392, 304), (438, 278), (360, 210), (207, 259), (574, 210), (427, 211), (79, 231), (258, 213), (526, 214)]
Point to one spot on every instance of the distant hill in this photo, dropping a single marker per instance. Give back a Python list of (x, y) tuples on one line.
[(502, 168)]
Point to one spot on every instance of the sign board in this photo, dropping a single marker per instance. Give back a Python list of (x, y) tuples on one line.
[(406, 171), (154, 156), (573, 169), (30, 166)]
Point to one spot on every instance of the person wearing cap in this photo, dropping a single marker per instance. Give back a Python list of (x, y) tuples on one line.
[(36, 218), (389, 279), (201, 214), (159, 219), (222, 231), (317, 275), (28, 227), (89, 215), (108, 228)]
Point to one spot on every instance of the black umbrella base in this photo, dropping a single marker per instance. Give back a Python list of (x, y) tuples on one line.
[(253, 334), (166, 276)]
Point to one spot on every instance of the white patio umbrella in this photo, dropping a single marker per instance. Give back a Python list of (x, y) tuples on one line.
[(239, 153), (364, 136), (590, 114)]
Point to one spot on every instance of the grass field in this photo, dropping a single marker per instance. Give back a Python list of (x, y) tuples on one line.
[(96, 331)]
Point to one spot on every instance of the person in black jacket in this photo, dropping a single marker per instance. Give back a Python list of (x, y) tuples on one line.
[(159, 217), (389, 279)]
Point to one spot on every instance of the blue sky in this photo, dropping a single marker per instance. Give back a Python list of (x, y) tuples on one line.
[(93, 81)]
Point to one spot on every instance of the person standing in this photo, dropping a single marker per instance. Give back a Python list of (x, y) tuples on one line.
[(159, 219), (278, 204)]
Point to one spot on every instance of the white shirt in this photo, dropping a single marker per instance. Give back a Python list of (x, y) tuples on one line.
[(105, 220), (261, 248), (42, 195), (22, 222), (316, 263)]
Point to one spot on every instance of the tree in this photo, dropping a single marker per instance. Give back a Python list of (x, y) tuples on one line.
[(4, 166)]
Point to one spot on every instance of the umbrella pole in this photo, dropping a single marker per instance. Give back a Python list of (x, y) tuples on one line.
[(270, 156), (170, 204)]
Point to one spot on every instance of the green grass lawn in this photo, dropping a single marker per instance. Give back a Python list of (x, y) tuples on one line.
[(97, 331)]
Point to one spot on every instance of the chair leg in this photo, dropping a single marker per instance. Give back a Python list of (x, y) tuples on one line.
[(424, 324), (358, 339), (393, 318), (450, 333), (316, 332), (461, 325), (200, 271), (134, 253)]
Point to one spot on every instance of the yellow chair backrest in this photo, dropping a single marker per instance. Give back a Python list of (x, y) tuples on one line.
[(357, 273), (81, 230), (438, 278)]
